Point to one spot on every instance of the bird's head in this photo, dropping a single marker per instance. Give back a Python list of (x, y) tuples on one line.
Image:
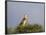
[(26, 17)]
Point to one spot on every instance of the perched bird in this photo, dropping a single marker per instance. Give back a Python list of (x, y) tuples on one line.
[(24, 20)]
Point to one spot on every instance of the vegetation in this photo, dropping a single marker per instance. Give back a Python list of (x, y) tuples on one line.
[(26, 29)]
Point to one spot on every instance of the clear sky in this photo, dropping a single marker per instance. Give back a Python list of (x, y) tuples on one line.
[(16, 10)]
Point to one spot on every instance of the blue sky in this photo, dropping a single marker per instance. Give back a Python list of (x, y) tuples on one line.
[(16, 10)]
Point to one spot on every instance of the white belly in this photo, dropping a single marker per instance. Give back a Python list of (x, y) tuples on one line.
[(24, 23)]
